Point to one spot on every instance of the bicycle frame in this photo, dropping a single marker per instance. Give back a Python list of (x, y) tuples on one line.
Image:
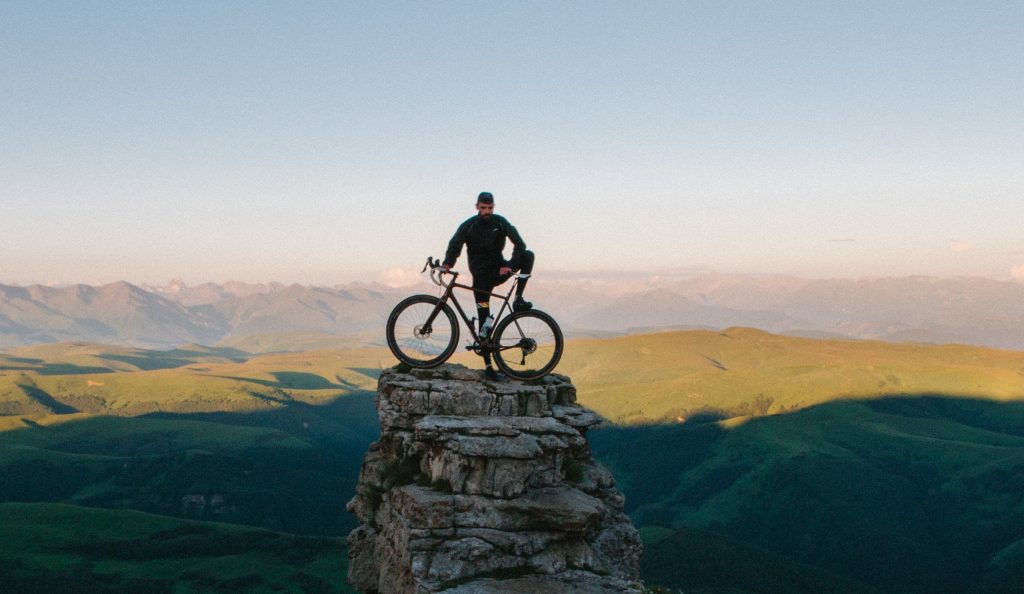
[(449, 294)]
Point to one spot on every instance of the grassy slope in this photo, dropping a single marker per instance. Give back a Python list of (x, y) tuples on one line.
[(290, 470), (658, 377), (158, 381), (274, 342), (250, 431), (671, 376), (54, 547), (274, 441)]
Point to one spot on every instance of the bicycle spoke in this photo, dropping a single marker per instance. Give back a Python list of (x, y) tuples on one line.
[(529, 345), (413, 335), (420, 334)]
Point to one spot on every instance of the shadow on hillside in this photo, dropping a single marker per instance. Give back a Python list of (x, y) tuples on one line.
[(665, 451), (180, 357), (149, 363), (26, 360), (372, 373), (290, 469), (1005, 417), (235, 355), (347, 384), (342, 421), (44, 398), (670, 449), (38, 366), (902, 493), (294, 380)]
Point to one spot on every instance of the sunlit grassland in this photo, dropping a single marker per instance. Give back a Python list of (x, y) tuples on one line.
[(671, 376), (658, 377), (197, 383), (274, 342)]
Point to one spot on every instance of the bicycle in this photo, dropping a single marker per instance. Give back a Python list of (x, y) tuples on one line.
[(422, 331)]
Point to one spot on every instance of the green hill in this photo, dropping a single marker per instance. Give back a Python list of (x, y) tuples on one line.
[(751, 462), (277, 342), (70, 378), (659, 377), (290, 469), (194, 433), (671, 376), (65, 548), (899, 494)]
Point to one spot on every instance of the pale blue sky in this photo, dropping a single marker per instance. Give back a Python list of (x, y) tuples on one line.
[(316, 142)]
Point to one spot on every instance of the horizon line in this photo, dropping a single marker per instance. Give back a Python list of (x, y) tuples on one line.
[(379, 278)]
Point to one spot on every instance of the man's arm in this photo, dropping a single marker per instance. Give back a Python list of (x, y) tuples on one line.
[(519, 246), (455, 245)]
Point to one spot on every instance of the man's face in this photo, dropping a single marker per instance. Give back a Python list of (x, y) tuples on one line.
[(485, 210)]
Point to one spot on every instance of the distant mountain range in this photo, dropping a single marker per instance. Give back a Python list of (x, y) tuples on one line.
[(967, 310), (922, 309)]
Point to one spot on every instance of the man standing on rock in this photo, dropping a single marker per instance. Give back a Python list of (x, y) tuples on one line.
[(484, 236)]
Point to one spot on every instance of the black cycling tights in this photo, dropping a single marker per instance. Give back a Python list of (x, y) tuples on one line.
[(483, 286)]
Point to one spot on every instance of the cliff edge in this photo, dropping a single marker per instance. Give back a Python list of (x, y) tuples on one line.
[(485, 487)]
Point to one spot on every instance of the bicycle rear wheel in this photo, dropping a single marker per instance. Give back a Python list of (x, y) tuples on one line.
[(415, 342), (528, 344)]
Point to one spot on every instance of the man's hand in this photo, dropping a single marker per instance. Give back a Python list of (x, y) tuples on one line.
[(445, 268), (504, 270)]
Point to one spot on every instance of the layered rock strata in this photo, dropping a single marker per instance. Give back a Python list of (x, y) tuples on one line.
[(486, 487)]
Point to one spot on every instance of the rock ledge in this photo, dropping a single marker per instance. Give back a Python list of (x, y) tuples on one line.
[(487, 487)]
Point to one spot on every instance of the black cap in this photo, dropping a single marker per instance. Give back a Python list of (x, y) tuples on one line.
[(485, 197)]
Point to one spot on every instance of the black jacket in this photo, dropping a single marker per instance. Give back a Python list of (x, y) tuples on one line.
[(485, 240)]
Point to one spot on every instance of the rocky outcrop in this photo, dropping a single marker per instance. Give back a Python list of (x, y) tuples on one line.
[(487, 487)]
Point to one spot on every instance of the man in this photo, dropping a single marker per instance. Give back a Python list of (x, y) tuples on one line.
[(484, 236)]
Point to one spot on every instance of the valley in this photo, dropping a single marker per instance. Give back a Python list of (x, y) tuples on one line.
[(752, 462)]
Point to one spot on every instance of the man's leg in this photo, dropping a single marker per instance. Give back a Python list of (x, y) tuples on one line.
[(482, 292), (527, 268)]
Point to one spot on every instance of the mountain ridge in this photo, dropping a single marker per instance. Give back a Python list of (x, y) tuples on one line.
[(968, 310)]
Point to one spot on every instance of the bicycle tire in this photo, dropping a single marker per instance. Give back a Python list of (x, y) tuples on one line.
[(406, 339), (528, 344)]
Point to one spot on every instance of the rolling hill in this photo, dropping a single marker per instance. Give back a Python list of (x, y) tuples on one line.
[(97, 379), (671, 376), (752, 462), (65, 548), (270, 441), (897, 494)]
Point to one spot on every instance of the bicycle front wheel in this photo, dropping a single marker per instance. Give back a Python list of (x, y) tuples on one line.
[(528, 344), (422, 331)]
